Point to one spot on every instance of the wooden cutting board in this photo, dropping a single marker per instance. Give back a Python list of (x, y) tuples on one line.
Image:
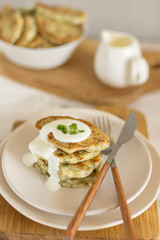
[(76, 79), (15, 226)]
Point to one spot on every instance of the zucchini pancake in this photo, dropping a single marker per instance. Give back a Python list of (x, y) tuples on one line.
[(67, 151), (41, 26)]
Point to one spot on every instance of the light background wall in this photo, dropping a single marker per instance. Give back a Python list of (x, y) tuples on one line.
[(138, 17)]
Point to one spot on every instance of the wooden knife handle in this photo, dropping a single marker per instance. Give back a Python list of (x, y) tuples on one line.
[(78, 217), (128, 223)]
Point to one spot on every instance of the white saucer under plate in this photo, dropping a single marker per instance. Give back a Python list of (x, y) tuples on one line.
[(94, 222), (133, 160)]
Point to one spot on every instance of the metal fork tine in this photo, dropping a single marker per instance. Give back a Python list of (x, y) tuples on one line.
[(97, 122), (111, 138), (100, 122), (104, 126), (110, 132)]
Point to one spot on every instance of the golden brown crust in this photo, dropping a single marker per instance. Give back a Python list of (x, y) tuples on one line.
[(97, 140), (81, 169), (11, 24), (29, 31), (72, 158), (80, 182)]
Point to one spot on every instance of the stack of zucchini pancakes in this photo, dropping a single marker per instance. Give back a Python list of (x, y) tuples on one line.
[(79, 162)]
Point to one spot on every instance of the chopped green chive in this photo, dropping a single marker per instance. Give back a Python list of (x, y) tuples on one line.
[(80, 131)]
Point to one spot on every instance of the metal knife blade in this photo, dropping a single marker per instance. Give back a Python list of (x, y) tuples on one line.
[(126, 134)]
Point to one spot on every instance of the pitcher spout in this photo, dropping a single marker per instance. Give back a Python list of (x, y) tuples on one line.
[(116, 39)]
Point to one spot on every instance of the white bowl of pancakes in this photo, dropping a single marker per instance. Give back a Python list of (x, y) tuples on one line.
[(42, 36)]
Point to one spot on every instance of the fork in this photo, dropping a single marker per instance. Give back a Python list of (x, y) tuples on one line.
[(128, 223)]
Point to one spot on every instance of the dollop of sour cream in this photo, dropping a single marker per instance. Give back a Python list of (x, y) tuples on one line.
[(66, 137)]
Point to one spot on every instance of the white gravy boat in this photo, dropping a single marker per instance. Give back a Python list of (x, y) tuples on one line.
[(118, 60)]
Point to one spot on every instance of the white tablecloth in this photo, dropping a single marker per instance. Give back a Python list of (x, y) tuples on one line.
[(19, 102)]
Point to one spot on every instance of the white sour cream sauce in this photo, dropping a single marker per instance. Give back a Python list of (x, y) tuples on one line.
[(29, 159), (40, 146), (45, 149), (60, 136)]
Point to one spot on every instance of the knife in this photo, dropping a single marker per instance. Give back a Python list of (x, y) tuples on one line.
[(126, 134), (129, 228)]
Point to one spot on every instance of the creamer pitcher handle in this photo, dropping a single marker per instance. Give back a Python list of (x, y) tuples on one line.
[(139, 71)]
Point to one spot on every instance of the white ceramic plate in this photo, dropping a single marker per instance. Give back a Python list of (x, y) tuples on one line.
[(100, 221), (133, 160)]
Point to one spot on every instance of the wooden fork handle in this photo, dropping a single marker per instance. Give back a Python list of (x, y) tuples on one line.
[(78, 217), (128, 223)]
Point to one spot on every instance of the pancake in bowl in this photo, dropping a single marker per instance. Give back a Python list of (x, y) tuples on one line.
[(29, 31), (62, 14), (49, 26), (40, 42), (67, 151), (57, 32), (11, 25)]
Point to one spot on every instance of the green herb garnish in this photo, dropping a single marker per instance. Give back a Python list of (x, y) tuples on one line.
[(80, 131), (62, 128), (72, 129), (73, 126), (71, 132)]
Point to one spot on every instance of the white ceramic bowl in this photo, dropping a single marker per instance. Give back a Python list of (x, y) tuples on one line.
[(38, 58)]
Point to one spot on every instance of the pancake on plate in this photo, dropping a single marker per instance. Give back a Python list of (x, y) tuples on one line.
[(81, 169), (67, 150), (75, 157), (97, 141), (79, 182)]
